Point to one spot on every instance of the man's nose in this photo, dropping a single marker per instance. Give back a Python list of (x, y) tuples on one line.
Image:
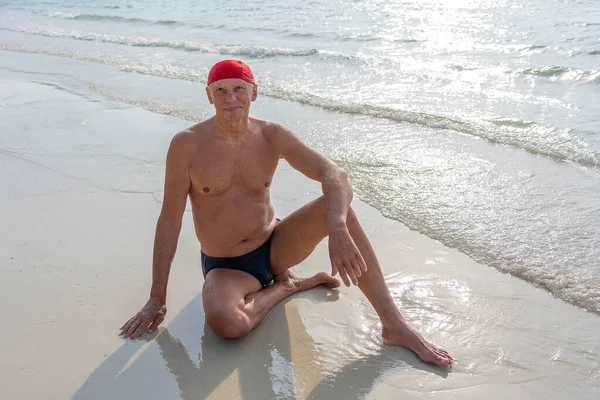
[(230, 96)]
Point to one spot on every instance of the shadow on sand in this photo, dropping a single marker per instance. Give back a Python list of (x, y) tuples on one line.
[(278, 360)]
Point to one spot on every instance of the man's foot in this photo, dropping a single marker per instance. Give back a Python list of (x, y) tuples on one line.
[(407, 337), (296, 284)]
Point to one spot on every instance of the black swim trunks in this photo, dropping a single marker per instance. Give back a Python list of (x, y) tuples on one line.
[(257, 263)]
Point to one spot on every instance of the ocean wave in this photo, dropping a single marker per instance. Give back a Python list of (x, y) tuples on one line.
[(558, 72), (142, 21), (558, 144), (109, 18), (140, 41), (515, 123), (301, 35), (285, 32), (537, 49), (94, 17), (551, 142)]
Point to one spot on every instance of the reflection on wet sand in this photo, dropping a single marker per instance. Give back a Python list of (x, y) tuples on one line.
[(278, 360), (256, 367)]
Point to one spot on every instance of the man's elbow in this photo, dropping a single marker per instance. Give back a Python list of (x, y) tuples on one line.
[(343, 175), (331, 170), (338, 174)]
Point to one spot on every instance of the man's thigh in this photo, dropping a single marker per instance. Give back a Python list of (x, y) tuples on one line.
[(297, 235), (225, 289)]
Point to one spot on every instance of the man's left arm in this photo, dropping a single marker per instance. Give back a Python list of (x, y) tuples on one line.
[(345, 256)]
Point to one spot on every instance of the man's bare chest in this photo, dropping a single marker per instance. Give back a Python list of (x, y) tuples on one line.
[(215, 171)]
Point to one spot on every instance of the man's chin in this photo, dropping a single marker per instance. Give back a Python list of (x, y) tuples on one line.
[(234, 116)]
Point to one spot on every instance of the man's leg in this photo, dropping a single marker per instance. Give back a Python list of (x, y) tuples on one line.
[(297, 235), (234, 302)]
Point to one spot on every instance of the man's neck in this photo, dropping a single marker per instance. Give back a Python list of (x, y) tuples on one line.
[(231, 130)]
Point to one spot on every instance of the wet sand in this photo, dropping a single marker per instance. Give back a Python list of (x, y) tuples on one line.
[(82, 185)]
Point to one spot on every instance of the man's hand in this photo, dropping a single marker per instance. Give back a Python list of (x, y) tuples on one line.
[(146, 320), (345, 256)]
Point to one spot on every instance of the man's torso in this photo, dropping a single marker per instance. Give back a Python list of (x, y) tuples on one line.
[(230, 188)]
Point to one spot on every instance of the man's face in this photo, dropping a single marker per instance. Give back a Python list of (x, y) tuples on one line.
[(232, 97)]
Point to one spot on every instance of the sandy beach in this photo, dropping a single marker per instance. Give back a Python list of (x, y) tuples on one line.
[(82, 185)]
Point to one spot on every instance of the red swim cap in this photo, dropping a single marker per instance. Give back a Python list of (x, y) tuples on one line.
[(230, 69)]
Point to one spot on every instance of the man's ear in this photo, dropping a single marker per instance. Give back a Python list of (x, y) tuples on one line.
[(210, 100), (254, 91)]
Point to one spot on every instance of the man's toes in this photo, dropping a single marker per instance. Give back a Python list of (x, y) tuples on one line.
[(445, 359), (439, 359), (433, 355), (442, 352), (320, 278), (329, 280), (334, 283)]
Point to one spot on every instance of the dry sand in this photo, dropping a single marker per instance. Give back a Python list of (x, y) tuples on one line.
[(81, 189)]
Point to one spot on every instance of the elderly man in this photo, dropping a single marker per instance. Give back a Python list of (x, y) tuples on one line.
[(225, 165)]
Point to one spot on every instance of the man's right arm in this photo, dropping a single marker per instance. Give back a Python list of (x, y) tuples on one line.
[(176, 189)]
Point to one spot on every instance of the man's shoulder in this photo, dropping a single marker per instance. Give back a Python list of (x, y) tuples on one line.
[(198, 130), (271, 130), (192, 134), (185, 143)]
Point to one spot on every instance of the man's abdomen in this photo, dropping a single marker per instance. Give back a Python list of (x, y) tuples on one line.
[(230, 226)]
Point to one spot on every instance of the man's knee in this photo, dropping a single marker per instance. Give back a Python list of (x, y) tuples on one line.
[(322, 205), (229, 324)]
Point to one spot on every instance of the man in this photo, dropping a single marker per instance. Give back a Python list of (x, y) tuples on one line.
[(225, 165)]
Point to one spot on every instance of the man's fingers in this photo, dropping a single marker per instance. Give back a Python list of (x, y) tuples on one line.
[(159, 319), (350, 271), (361, 262), (334, 270), (130, 322), (126, 325), (133, 327), (155, 324), (343, 275), (142, 328), (357, 269)]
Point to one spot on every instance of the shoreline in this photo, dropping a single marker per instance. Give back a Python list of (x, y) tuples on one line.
[(84, 179)]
